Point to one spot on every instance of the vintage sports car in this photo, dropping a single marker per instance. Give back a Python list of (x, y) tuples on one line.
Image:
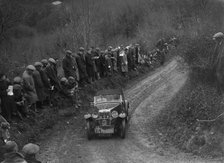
[(108, 114)]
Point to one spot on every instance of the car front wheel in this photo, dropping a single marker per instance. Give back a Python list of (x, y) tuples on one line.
[(123, 129), (89, 130)]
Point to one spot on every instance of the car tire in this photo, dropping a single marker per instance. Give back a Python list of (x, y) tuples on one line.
[(123, 129), (89, 131)]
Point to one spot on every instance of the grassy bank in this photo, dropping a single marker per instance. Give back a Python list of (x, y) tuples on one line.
[(197, 100)]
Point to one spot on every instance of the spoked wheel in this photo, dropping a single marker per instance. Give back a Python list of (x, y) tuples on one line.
[(89, 132), (123, 129)]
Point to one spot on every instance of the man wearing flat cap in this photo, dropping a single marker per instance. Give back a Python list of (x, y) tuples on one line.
[(52, 74), (30, 150), (69, 65), (11, 153), (29, 86), (44, 78), (44, 63)]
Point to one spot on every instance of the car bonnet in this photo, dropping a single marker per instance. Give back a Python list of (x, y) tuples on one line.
[(106, 107)]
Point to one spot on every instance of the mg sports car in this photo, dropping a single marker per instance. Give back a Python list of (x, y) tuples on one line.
[(108, 114)]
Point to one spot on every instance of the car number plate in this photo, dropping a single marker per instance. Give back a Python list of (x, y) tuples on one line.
[(104, 131)]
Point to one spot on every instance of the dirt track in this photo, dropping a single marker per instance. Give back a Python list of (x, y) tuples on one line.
[(147, 98)]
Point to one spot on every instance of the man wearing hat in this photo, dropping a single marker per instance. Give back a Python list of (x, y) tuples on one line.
[(29, 86), (81, 63), (45, 79), (52, 74), (39, 86), (69, 65), (11, 153), (30, 150), (44, 62)]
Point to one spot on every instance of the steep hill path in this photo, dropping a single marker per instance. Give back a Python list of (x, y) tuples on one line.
[(148, 97)]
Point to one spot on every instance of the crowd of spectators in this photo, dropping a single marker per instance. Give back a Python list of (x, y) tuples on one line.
[(39, 83)]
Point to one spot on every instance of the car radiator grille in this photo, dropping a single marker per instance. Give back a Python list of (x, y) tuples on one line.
[(104, 119)]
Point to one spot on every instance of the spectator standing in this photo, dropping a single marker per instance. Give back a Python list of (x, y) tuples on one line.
[(81, 62), (93, 54), (69, 65), (44, 62), (97, 62), (137, 54), (124, 61), (102, 63), (39, 86), (52, 74), (108, 58), (130, 57), (45, 80), (29, 86), (90, 66)]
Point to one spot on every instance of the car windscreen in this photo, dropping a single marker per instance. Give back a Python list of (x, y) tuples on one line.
[(107, 98)]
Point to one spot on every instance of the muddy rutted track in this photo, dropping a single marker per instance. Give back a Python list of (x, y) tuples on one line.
[(147, 98)]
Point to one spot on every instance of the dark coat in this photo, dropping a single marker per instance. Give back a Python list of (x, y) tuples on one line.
[(70, 67), (44, 78), (137, 55), (81, 66), (102, 64), (89, 65), (97, 61), (39, 86), (52, 75), (3, 87), (131, 59), (108, 59), (8, 104)]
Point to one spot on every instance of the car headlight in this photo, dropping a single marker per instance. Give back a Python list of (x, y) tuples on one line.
[(114, 114), (122, 115), (87, 116), (94, 116)]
